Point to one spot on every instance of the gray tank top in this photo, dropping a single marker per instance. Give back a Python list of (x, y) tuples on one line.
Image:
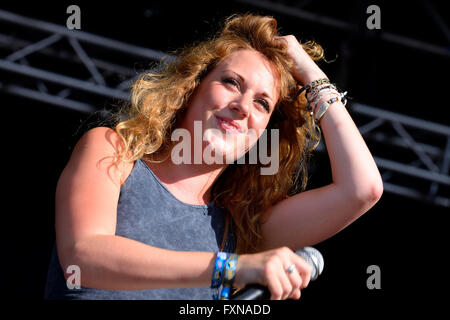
[(148, 212)]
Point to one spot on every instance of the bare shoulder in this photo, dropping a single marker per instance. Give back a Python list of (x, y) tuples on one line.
[(101, 146), (102, 137), (88, 189)]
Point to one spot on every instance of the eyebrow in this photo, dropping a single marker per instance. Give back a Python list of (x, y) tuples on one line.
[(264, 93)]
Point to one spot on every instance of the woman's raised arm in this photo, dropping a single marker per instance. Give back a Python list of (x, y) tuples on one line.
[(315, 215), (86, 203)]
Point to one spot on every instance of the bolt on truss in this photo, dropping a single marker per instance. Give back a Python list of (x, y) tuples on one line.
[(424, 177)]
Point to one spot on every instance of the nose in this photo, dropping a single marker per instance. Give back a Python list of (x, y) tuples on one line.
[(242, 105)]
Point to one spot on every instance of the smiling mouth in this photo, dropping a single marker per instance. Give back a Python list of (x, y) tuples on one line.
[(228, 127)]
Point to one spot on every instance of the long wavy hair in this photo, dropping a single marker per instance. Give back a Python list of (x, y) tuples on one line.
[(160, 98)]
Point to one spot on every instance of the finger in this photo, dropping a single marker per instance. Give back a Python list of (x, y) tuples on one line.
[(281, 287), (296, 295), (275, 288), (286, 284), (281, 41), (304, 269), (306, 276), (296, 281)]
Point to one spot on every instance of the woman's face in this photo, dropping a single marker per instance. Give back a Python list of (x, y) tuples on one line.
[(241, 89)]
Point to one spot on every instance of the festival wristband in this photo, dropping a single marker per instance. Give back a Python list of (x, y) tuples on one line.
[(228, 276), (217, 275)]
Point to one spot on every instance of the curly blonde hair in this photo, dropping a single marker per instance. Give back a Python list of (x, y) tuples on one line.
[(159, 100)]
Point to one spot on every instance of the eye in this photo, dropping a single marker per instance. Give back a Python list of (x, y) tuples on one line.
[(264, 104), (232, 81)]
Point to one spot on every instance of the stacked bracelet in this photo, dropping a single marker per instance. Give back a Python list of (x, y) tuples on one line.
[(319, 82), (217, 275), (320, 94), (315, 91), (308, 88), (323, 107), (228, 278), (223, 275)]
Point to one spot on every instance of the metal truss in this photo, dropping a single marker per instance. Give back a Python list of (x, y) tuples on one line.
[(423, 146), (426, 175), (413, 155), (108, 78), (103, 77), (302, 14)]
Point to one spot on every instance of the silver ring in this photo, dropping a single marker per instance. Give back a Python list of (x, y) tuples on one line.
[(290, 269)]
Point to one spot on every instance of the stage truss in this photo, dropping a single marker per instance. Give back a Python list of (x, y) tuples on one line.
[(31, 45)]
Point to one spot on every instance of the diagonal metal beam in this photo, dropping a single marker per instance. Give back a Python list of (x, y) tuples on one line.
[(70, 84), (7, 41), (437, 19), (83, 36), (345, 26), (435, 172), (446, 159), (406, 120), (412, 193), (370, 126), (412, 171), (61, 79), (396, 141), (415, 147), (47, 98), (87, 61), (34, 47), (39, 84)]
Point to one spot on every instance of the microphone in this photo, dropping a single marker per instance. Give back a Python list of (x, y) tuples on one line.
[(259, 292)]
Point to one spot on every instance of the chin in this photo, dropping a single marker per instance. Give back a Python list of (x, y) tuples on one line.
[(221, 151)]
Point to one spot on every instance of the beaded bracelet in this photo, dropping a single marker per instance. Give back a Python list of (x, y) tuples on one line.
[(313, 92), (319, 82), (311, 86), (323, 108), (217, 275), (325, 91), (229, 275)]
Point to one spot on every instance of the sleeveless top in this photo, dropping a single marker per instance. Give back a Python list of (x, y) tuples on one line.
[(149, 213)]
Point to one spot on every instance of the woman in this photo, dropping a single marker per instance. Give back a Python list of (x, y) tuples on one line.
[(142, 220)]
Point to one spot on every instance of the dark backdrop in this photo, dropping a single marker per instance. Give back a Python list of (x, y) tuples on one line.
[(404, 237)]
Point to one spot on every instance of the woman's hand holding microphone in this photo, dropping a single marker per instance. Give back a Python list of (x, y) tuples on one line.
[(281, 270)]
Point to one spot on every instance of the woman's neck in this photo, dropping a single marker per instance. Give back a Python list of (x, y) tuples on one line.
[(191, 182)]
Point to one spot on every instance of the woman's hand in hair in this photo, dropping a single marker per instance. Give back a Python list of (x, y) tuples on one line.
[(269, 268), (305, 70)]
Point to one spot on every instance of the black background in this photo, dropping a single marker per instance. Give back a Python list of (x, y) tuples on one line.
[(404, 237)]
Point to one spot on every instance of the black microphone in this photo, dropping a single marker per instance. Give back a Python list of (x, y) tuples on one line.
[(259, 292)]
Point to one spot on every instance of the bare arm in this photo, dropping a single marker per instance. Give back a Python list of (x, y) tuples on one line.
[(315, 215), (86, 209), (86, 204), (114, 262)]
